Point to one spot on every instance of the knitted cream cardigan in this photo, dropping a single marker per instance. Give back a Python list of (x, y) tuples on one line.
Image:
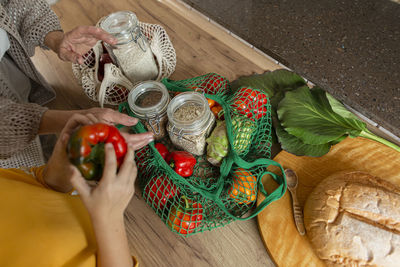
[(26, 22)]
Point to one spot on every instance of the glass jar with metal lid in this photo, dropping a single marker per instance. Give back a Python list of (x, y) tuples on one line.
[(190, 121), (132, 53), (149, 101)]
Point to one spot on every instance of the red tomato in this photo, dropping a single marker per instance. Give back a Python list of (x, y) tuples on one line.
[(241, 105), (213, 84), (251, 103)]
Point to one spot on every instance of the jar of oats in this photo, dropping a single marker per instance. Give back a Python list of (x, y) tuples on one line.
[(149, 101), (132, 53), (190, 121)]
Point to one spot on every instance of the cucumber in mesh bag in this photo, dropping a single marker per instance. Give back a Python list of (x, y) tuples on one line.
[(243, 130)]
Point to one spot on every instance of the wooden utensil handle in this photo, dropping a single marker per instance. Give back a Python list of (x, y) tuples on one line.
[(298, 215)]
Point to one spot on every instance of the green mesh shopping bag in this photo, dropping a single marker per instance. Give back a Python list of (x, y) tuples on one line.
[(214, 196)]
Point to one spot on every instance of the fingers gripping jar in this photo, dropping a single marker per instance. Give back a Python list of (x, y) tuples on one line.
[(190, 121), (148, 101), (132, 53)]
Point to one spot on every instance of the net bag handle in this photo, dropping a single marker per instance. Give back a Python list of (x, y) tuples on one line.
[(275, 195)]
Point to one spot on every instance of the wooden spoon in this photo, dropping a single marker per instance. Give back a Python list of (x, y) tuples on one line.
[(292, 181)]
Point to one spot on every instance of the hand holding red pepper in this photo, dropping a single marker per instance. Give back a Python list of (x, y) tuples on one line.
[(183, 162), (86, 148)]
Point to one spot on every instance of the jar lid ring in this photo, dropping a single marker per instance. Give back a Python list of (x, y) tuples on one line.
[(137, 37), (180, 134), (157, 120)]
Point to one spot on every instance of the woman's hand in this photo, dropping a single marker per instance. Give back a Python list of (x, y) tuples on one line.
[(58, 171), (53, 121), (58, 168), (72, 45), (106, 204), (109, 199)]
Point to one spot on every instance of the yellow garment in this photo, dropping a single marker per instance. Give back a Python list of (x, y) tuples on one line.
[(42, 227)]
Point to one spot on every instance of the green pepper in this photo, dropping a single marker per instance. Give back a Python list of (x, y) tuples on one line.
[(86, 148)]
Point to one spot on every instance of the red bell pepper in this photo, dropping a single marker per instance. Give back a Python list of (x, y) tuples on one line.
[(162, 149), (159, 190), (183, 162), (186, 216), (86, 148)]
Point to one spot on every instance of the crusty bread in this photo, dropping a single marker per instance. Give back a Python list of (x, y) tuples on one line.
[(353, 219)]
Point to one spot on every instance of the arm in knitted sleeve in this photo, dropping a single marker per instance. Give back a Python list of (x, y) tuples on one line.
[(19, 125), (34, 19)]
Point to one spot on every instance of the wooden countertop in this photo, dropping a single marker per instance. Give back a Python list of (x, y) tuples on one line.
[(201, 47)]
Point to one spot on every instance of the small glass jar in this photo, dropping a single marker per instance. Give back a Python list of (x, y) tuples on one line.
[(132, 53), (190, 121), (149, 101)]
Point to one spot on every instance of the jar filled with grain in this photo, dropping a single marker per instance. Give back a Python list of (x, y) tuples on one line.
[(148, 101), (132, 53), (190, 121)]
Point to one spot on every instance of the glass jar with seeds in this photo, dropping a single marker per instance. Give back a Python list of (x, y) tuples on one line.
[(190, 121), (132, 53), (149, 101)]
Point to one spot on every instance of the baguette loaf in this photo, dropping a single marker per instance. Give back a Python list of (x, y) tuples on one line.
[(353, 219)]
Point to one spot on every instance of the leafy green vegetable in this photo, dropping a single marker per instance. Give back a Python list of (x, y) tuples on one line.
[(295, 146), (271, 81), (306, 121), (308, 115), (339, 108)]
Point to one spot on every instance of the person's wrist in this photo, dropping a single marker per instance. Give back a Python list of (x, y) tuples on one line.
[(53, 121), (105, 219), (53, 40)]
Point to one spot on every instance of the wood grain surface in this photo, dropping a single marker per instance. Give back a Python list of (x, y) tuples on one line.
[(201, 47), (285, 245)]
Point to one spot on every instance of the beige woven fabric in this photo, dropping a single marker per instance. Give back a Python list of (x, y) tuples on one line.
[(115, 87), (30, 156), (26, 22)]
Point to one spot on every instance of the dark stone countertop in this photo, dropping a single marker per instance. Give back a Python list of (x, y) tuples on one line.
[(351, 48)]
